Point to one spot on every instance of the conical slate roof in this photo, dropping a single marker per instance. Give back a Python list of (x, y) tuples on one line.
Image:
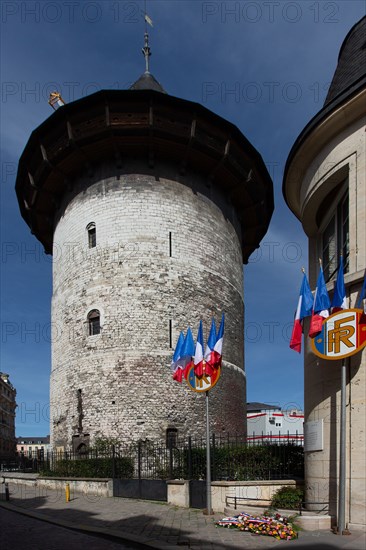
[(156, 128), (147, 82), (351, 67), (349, 81)]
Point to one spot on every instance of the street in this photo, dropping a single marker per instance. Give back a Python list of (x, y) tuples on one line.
[(19, 532)]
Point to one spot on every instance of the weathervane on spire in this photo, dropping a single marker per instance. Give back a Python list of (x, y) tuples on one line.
[(146, 49), (147, 52)]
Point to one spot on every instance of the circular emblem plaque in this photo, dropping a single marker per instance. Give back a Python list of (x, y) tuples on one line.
[(204, 383), (343, 334)]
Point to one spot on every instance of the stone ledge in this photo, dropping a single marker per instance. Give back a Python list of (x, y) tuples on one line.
[(315, 523)]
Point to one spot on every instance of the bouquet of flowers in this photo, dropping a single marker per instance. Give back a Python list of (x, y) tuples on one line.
[(274, 526)]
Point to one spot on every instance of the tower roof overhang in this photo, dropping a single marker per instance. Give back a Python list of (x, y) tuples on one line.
[(114, 124)]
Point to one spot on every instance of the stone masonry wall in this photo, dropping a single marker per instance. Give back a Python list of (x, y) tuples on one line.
[(166, 256), (343, 158)]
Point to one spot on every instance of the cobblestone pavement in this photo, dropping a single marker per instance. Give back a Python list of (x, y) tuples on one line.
[(156, 525)]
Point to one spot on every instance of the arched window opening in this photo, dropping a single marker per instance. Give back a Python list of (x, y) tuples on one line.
[(94, 322), (81, 444), (92, 235)]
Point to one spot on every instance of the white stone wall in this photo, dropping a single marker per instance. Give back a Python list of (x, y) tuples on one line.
[(138, 287), (342, 156)]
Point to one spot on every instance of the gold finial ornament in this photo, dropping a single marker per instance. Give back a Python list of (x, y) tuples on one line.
[(55, 100)]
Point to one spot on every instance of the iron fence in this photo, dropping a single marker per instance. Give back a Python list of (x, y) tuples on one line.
[(232, 458)]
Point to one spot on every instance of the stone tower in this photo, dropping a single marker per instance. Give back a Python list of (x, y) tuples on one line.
[(149, 204), (325, 187)]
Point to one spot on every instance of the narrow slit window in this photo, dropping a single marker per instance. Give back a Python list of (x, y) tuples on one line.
[(335, 239), (92, 235), (171, 438), (94, 322)]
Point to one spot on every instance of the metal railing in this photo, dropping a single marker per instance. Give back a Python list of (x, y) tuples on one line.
[(300, 507), (232, 458)]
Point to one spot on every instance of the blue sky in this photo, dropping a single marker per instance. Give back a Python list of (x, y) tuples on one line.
[(263, 65)]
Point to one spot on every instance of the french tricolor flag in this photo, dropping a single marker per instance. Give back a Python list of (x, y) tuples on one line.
[(339, 300), (209, 349), (198, 354), (304, 309), (217, 351), (187, 353), (362, 297), (177, 371), (321, 306), (182, 359)]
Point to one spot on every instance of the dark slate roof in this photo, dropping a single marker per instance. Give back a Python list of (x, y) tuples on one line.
[(255, 406), (34, 440), (156, 128), (147, 81), (351, 66), (349, 79)]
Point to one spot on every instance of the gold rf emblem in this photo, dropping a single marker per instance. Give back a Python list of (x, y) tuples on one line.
[(341, 334)]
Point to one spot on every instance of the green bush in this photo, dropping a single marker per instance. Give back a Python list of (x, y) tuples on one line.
[(287, 497), (104, 445), (246, 463), (252, 463), (91, 467)]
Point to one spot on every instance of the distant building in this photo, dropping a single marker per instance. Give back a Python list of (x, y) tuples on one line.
[(33, 447), (271, 424), (7, 417)]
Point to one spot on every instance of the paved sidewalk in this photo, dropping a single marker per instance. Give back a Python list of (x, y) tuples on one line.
[(156, 525)]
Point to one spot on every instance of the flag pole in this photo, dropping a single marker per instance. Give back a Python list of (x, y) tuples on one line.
[(342, 456), (208, 460)]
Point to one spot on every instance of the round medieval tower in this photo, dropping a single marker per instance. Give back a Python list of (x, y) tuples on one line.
[(149, 204)]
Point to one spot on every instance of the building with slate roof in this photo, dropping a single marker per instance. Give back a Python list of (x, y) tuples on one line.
[(33, 446), (325, 187), (256, 406)]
